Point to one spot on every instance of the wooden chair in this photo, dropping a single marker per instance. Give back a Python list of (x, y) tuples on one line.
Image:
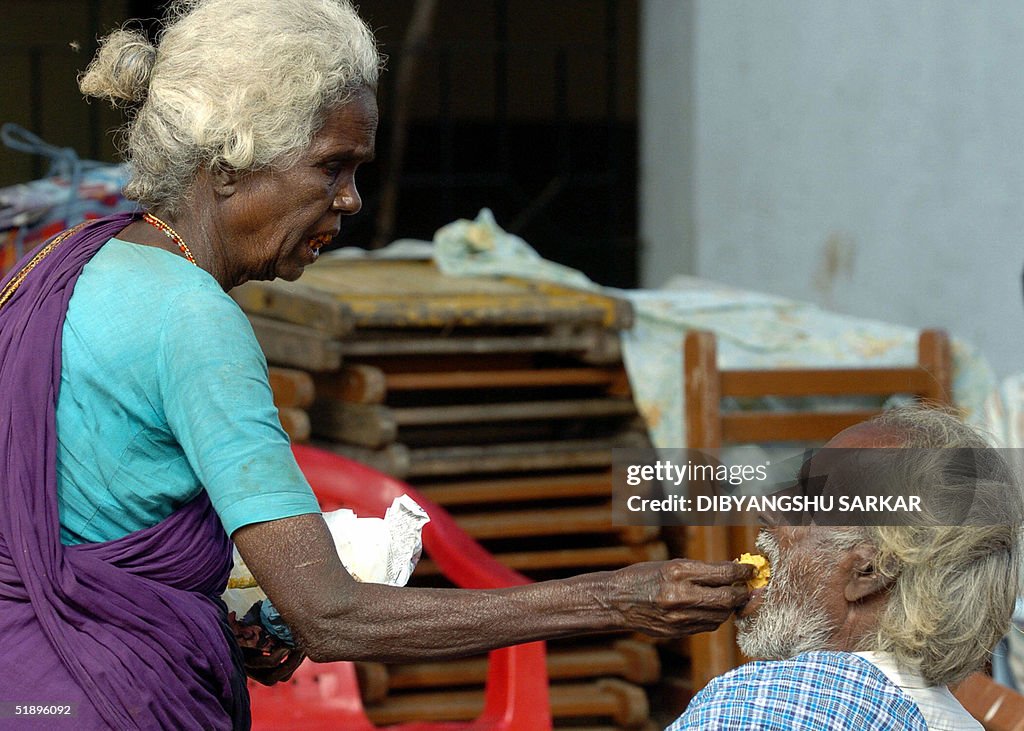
[(996, 707), (709, 426)]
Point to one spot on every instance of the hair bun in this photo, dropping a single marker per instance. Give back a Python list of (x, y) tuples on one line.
[(121, 68)]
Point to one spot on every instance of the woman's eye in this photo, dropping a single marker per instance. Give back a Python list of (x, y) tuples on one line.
[(332, 170)]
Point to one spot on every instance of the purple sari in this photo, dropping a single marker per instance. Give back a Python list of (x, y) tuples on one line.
[(130, 632)]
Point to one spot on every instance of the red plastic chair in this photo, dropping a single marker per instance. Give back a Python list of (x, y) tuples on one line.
[(326, 696)]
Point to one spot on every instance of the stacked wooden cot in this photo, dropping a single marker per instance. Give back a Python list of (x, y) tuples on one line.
[(501, 400), (293, 395)]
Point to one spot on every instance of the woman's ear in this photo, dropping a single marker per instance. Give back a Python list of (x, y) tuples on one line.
[(223, 180), (864, 579)]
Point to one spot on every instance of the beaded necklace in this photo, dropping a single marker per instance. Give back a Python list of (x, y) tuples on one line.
[(169, 233)]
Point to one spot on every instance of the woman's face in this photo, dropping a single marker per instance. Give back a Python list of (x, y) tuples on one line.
[(280, 219)]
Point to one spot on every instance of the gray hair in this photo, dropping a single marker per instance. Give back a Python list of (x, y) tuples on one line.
[(236, 85), (954, 586)]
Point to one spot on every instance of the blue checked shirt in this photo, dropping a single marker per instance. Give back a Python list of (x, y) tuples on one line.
[(815, 690)]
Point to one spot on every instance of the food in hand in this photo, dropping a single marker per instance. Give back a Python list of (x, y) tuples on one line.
[(764, 569)]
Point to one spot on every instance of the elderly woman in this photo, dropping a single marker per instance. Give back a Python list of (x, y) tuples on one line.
[(138, 429)]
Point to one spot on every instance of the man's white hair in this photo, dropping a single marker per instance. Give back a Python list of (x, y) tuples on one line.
[(233, 85), (954, 586)]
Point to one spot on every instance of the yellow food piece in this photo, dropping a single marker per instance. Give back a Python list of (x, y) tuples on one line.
[(764, 570), (246, 582)]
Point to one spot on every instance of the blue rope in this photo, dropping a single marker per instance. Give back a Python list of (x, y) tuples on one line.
[(65, 162)]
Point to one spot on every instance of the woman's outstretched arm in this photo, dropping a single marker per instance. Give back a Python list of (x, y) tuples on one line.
[(338, 618)]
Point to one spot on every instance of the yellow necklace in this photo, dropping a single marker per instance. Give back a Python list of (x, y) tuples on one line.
[(169, 233)]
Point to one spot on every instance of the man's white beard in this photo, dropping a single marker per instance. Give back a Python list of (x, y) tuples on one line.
[(789, 621)]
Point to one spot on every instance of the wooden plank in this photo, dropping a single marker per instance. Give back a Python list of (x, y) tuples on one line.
[(541, 522), (582, 342), (294, 345), (701, 390), (605, 351), (825, 382), (396, 294), (291, 387), (392, 459), (355, 383), (501, 432), (803, 426), (294, 303), (295, 423), (624, 703), (364, 425), (935, 356), (455, 362), (512, 411), (472, 310), (373, 681), (548, 521), (998, 707), (711, 653), (520, 489), (577, 559), (528, 456), (374, 425), (631, 660), (618, 312), (452, 380)]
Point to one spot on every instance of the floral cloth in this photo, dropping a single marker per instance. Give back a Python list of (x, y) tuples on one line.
[(753, 330)]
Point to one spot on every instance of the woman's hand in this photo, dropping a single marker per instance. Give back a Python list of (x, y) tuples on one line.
[(678, 597), (275, 667), (267, 660)]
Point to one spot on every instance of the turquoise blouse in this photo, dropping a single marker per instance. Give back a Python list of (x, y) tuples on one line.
[(163, 393)]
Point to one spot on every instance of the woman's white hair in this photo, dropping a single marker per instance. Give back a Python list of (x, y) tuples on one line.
[(235, 85), (954, 586)]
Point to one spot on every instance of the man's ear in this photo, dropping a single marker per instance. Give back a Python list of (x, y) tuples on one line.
[(864, 580)]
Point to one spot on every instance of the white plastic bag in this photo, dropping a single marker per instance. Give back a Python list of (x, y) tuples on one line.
[(374, 550)]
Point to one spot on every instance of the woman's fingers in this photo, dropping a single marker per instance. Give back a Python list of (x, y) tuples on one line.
[(683, 597), (722, 573), (283, 670)]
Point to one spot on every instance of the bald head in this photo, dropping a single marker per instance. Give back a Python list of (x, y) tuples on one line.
[(870, 435)]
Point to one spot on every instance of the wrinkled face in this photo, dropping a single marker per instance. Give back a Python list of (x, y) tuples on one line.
[(801, 608), (282, 218), (804, 606)]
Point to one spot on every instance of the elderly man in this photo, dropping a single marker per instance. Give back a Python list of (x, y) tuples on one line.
[(866, 627)]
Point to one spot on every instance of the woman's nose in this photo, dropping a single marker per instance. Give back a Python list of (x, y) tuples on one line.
[(347, 201)]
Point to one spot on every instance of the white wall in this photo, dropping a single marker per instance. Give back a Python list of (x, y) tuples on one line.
[(866, 156)]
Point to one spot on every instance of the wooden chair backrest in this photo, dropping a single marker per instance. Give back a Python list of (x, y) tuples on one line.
[(708, 426), (996, 707)]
